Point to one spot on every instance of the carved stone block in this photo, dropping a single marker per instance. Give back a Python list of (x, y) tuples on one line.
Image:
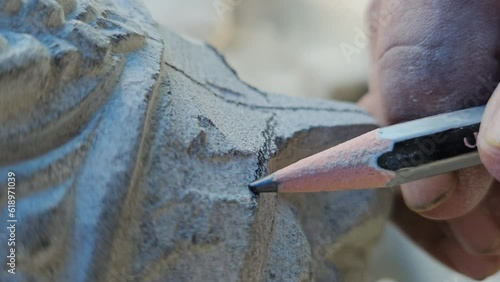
[(133, 150)]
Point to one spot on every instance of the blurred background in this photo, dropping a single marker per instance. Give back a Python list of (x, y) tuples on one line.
[(282, 46), (295, 47)]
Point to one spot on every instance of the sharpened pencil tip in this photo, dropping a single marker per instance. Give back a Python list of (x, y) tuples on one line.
[(264, 185)]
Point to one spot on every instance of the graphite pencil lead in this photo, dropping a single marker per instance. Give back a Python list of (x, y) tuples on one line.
[(264, 185)]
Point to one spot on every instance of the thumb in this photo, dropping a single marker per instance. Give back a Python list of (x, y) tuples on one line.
[(489, 136)]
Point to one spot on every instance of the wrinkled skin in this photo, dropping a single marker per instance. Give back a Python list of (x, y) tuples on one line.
[(430, 57)]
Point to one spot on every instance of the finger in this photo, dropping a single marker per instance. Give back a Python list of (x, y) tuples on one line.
[(489, 136), (438, 240), (473, 265), (449, 195), (479, 231), (427, 194), (430, 59), (372, 104)]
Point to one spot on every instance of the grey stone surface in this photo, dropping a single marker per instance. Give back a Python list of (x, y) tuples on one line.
[(133, 150)]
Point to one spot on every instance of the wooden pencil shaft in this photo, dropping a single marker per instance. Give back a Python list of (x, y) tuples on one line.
[(386, 157)]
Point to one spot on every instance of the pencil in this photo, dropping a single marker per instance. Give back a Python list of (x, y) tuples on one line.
[(385, 157)]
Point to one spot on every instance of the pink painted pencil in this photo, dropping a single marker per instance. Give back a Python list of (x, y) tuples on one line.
[(385, 157)]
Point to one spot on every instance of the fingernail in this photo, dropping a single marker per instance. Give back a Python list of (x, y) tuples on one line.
[(477, 232), (426, 194), (492, 130)]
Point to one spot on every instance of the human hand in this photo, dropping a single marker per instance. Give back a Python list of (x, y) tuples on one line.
[(430, 57)]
